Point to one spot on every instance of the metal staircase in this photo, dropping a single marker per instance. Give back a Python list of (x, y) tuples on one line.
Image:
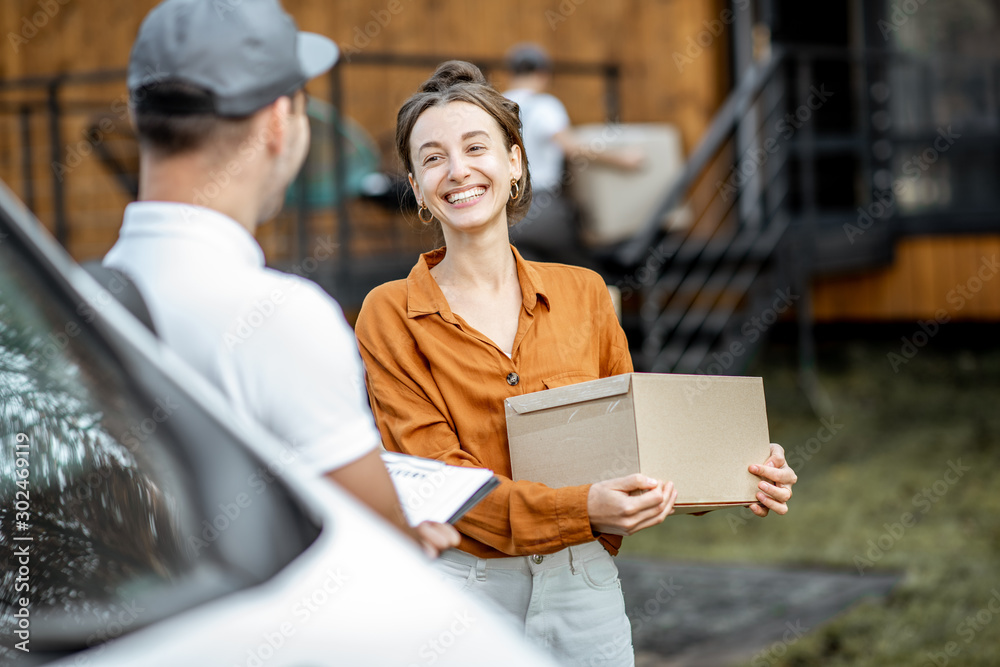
[(698, 287), (797, 177)]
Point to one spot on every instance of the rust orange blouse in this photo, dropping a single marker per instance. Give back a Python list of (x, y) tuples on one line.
[(437, 388)]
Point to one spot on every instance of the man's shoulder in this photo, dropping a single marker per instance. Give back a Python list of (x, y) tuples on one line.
[(298, 287), (548, 104), (549, 98), (300, 297), (289, 316)]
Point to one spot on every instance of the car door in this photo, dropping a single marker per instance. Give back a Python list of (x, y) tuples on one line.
[(142, 522)]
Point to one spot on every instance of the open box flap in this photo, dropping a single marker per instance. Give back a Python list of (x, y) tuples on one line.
[(574, 393)]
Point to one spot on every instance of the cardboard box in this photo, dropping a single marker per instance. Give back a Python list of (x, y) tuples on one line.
[(616, 203), (699, 431)]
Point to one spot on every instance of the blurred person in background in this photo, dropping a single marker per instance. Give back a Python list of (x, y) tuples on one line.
[(219, 108), (475, 323), (550, 230)]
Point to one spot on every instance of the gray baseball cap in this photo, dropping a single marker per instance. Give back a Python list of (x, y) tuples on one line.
[(243, 54), (527, 57)]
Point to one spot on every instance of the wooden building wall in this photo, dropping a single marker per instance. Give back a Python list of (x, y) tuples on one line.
[(953, 277), (87, 35), (643, 36)]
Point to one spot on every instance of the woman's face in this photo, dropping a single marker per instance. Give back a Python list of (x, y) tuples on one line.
[(461, 168)]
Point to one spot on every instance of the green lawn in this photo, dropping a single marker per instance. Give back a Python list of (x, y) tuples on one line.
[(908, 483)]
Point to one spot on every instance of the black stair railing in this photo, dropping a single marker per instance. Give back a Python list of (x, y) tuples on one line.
[(735, 187)]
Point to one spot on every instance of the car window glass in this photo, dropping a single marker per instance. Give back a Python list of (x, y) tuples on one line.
[(94, 507)]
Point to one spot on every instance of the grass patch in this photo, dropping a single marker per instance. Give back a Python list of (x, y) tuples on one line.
[(907, 483)]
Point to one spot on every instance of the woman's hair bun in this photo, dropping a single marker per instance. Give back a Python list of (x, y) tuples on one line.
[(451, 73)]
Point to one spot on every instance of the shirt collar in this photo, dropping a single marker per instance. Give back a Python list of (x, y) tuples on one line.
[(226, 238), (424, 297)]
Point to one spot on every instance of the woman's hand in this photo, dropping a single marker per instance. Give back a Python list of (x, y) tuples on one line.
[(626, 505), (775, 485)]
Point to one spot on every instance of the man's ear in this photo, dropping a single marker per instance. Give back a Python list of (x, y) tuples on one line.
[(278, 114), (131, 120)]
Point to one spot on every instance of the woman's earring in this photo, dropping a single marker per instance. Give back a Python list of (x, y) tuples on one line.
[(420, 214), (515, 189)]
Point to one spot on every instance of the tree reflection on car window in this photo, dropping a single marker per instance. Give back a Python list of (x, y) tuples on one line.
[(104, 502)]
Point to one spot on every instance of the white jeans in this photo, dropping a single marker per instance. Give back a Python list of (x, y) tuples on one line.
[(569, 602)]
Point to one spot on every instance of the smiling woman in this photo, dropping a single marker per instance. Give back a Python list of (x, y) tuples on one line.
[(465, 176), (483, 114), (474, 324)]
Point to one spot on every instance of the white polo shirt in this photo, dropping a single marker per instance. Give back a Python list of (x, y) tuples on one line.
[(275, 344)]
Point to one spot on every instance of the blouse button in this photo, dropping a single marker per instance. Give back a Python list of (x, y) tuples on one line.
[(512, 379)]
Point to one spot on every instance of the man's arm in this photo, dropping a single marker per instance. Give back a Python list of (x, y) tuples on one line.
[(367, 480), (302, 377), (628, 159)]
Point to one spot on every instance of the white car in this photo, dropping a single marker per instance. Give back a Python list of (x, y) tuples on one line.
[(141, 523)]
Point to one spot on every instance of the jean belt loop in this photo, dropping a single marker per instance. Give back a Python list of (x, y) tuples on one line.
[(572, 560), (480, 569)]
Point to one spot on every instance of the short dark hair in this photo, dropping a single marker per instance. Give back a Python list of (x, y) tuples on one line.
[(459, 81), (527, 59), (176, 123)]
